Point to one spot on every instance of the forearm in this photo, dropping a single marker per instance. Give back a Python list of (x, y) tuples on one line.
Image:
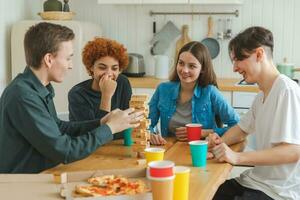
[(281, 154), (77, 128), (105, 103), (234, 135)]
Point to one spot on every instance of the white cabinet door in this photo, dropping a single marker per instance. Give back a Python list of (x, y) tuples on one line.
[(165, 1), (243, 99), (119, 1), (215, 1), (228, 96)]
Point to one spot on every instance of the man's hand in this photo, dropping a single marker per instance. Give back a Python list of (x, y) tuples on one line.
[(181, 134), (157, 139), (119, 120), (213, 140), (223, 153)]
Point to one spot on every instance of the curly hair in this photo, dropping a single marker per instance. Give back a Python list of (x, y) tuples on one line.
[(101, 47)]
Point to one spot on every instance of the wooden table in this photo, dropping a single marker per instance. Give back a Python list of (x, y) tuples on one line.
[(110, 156), (203, 182)]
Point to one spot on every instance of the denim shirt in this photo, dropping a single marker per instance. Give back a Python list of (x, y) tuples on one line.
[(206, 103)]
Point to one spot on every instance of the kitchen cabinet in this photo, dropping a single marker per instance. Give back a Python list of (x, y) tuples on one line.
[(243, 100), (215, 1), (170, 1), (165, 1), (119, 1), (228, 96)]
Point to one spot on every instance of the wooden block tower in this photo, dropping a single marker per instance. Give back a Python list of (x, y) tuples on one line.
[(141, 134)]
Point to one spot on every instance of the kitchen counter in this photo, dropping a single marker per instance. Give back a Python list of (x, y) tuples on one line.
[(224, 84)]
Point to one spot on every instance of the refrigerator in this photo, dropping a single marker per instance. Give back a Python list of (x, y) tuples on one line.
[(84, 32)]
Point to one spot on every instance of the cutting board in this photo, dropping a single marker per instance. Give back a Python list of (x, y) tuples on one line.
[(184, 39)]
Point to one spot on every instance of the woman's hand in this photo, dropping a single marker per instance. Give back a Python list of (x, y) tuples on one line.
[(181, 134), (107, 86), (157, 139)]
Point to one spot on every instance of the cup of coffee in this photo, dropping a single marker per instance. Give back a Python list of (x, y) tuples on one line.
[(181, 183), (154, 154), (199, 152), (161, 175), (127, 137), (193, 131)]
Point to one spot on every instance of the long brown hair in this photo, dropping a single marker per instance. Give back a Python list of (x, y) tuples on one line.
[(200, 52), (207, 75)]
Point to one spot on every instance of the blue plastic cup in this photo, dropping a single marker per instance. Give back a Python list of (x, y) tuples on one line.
[(199, 152), (127, 137)]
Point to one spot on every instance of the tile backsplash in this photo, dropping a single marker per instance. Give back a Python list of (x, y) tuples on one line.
[(132, 26)]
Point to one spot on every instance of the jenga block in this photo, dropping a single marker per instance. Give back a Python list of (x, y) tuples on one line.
[(147, 134), (141, 162), (145, 110), (138, 148), (140, 141), (137, 104), (140, 97), (144, 134), (137, 130), (139, 135), (144, 124)]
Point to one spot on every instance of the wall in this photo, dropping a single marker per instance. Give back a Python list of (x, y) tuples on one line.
[(10, 12), (132, 25)]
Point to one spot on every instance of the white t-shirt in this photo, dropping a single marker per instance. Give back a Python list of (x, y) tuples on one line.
[(274, 121)]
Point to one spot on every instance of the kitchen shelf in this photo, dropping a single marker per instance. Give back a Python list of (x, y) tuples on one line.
[(235, 13)]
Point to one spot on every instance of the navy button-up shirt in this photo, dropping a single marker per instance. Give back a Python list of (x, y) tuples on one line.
[(32, 138)]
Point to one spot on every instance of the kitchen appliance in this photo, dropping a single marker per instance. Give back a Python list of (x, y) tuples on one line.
[(287, 68), (136, 66), (161, 66), (211, 43), (84, 32)]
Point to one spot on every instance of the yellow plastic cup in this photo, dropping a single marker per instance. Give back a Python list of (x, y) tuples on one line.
[(154, 154), (181, 183)]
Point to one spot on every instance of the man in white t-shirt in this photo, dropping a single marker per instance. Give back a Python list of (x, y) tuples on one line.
[(274, 118)]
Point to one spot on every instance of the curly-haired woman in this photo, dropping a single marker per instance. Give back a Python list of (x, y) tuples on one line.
[(107, 90)]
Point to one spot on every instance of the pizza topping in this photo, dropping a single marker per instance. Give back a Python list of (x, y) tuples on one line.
[(111, 185)]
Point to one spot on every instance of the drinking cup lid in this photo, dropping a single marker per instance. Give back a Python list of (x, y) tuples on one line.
[(193, 125), (154, 150), (198, 142)]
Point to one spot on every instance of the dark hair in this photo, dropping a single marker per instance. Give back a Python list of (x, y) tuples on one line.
[(44, 38), (101, 47), (207, 75), (247, 41), (200, 52)]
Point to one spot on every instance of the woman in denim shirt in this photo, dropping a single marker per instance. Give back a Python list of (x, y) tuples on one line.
[(191, 96)]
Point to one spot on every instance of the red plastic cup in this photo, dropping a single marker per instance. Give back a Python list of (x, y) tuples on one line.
[(161, 169), (193, 131)]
